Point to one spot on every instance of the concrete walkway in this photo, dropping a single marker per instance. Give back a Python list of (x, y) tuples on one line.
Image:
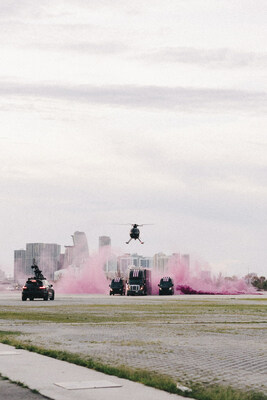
[(60, 380)]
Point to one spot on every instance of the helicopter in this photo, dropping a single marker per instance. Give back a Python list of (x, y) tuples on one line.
[(135, 232)]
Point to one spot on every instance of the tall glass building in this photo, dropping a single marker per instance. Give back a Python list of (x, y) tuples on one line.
[(46, 255), (19, 265), (80, 248)]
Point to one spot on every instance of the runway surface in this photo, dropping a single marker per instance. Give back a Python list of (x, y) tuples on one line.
[(211, 339)]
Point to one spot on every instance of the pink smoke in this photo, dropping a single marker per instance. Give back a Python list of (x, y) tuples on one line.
[(199, 281), (89, 279)]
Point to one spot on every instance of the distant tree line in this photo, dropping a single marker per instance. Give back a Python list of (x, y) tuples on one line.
[(258, 282)]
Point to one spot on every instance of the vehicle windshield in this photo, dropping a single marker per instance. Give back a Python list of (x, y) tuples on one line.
[(136, 281), (116, 284), (166, 283)]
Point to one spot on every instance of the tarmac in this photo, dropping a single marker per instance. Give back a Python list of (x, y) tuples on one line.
[(60, 380)]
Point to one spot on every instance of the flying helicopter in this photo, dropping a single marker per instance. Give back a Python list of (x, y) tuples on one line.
[(135, 232)]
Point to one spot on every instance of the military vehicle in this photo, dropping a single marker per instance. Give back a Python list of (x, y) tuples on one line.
[(117, 286), (166, 286), (139, 281)]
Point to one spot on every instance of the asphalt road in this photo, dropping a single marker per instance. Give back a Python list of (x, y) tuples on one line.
[(14, 298)]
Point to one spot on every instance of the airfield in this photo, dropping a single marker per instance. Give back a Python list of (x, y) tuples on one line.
[(191, 338)]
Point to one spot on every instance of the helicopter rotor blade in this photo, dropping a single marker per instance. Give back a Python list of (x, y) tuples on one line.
[(145, 224), (131, 224)]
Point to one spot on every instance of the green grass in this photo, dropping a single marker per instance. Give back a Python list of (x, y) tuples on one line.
[(159, 381), (217, 392), (173, 311), (254, 298), (5, 334)]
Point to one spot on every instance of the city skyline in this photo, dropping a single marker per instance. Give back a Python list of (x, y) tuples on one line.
[(49, 257), (82, 245), (136, 112)]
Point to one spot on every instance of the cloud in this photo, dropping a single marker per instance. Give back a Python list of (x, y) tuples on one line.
[(145, 97), (105, 48), (23, 9), (216, 58), (230, 193)]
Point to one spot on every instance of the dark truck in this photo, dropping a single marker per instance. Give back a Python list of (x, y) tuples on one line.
[(117, 286), (166, 286), (139, 282)]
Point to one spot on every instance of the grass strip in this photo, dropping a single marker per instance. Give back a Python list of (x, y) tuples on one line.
[(200, 391), (173, 312)]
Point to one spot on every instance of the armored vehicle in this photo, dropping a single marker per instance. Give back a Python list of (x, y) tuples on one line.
[(166, 286), (117, 286), (139, 281)]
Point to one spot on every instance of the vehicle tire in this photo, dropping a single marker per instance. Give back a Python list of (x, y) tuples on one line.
[(24, 298), (31, 298), (53, 296), (45, 297)]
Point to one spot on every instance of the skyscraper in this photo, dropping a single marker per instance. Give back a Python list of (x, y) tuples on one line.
[(80, 250), (19, 265), (110, 267), (68, 256), (127, 260), (104, 241), (146, 262), (46, 255), (123, 264), (160, 262)]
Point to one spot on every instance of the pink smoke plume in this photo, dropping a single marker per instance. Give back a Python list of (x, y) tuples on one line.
[(200, 281), (90, 278)]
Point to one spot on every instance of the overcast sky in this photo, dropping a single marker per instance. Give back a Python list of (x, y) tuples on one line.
[(136, 112)]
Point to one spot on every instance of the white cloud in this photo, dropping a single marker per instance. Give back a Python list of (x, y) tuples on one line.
[(213, 58), (175, 98)]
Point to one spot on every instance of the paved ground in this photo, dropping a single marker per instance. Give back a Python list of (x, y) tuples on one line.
[(59, 380), (12, 391), (211, 339)]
